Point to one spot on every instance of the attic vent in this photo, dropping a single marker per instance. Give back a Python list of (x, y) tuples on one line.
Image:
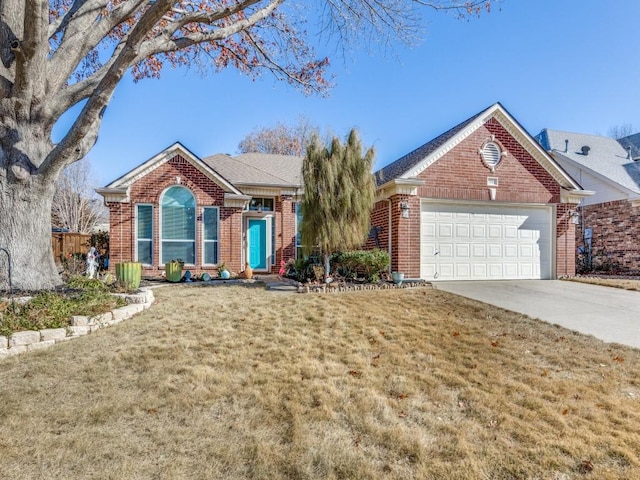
[(491, 154), (585, 150)]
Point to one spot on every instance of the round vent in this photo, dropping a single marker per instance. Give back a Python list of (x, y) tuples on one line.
[(491, 154)]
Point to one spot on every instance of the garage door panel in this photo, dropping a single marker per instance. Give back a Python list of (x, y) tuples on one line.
[(511, 270), (463, 271), (445, 230), (495, 231), (479, 231), (479, 251), (445, 250), (428, 230), (511, 251), (510, 231), (479, 271), (463, 230), (485, 241), (495, 271), (446, 271), (494, 250), (526, 270)]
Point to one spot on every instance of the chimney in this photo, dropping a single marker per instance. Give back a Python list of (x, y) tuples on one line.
[(585, 150)]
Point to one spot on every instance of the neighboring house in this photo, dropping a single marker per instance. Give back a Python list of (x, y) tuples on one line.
[(483, 201), (632, 145), (205, 211), (610, 219)]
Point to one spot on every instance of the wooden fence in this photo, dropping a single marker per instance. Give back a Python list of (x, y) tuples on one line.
[(64, 243)]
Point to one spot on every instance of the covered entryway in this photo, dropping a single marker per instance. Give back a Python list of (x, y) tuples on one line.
[(480, 241)]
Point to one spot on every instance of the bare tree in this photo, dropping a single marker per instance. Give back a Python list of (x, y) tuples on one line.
[(282, 139), (620, 131), (56, 54), (75, 206)]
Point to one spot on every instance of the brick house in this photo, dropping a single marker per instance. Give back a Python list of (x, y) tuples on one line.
[(482, 201), (609, 228), (205, 211)]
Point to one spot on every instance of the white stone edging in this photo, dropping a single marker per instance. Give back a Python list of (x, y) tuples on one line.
[(30, 340)]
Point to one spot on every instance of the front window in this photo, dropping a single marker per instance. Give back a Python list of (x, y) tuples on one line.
[(210, 235), (261, 204), (144, 234), (178, 225)]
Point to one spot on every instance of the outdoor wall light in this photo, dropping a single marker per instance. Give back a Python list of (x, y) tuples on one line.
[(404, 206), (575, 217)]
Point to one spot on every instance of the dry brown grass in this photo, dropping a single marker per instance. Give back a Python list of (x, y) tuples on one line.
[(236, 383), (619, 282)]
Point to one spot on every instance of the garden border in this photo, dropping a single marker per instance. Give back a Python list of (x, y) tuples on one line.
[(30, 340)]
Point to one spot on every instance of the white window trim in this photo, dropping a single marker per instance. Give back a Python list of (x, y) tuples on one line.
[(296, 246), (217, 240), (136, 232), (195, 226)]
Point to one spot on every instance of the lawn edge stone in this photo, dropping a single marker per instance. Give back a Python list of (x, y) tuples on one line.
[(80, 325)]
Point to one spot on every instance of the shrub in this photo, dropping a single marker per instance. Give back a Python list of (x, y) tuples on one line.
[(74, 264), (370, 264)]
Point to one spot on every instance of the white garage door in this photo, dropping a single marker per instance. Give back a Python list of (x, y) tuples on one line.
[(484, 242)]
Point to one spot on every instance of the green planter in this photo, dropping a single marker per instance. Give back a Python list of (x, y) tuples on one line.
[(129, 274), (173, 271)]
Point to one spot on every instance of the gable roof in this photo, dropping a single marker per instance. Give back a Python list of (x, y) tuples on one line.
[(404, 164), (164, 156), (631, 142), (606, 157), (412, 164), (259, 169)]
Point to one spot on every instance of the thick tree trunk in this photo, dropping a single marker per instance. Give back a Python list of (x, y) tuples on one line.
[(25, 232)]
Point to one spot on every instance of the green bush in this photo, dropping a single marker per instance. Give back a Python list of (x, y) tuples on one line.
[(367, 264)]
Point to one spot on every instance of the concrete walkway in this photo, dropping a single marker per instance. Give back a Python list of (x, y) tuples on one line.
[(276, 284), (610, 314)]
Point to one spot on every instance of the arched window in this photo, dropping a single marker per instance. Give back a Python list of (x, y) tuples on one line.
[(178, 236)]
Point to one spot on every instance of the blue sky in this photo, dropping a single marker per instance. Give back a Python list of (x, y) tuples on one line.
[(569, 65)]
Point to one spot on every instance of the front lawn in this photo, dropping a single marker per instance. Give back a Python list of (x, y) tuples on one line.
[(237, 383)]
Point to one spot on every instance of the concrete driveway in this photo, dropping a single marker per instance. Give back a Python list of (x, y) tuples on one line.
[(610, 314)]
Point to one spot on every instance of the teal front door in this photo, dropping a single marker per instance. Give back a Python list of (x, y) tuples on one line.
[(257, 242)]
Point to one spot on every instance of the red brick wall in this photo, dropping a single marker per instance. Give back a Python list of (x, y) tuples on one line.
[(286, 232), (565, 241), (149, 189), (380, 219), (615, 242), (461, 175)]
